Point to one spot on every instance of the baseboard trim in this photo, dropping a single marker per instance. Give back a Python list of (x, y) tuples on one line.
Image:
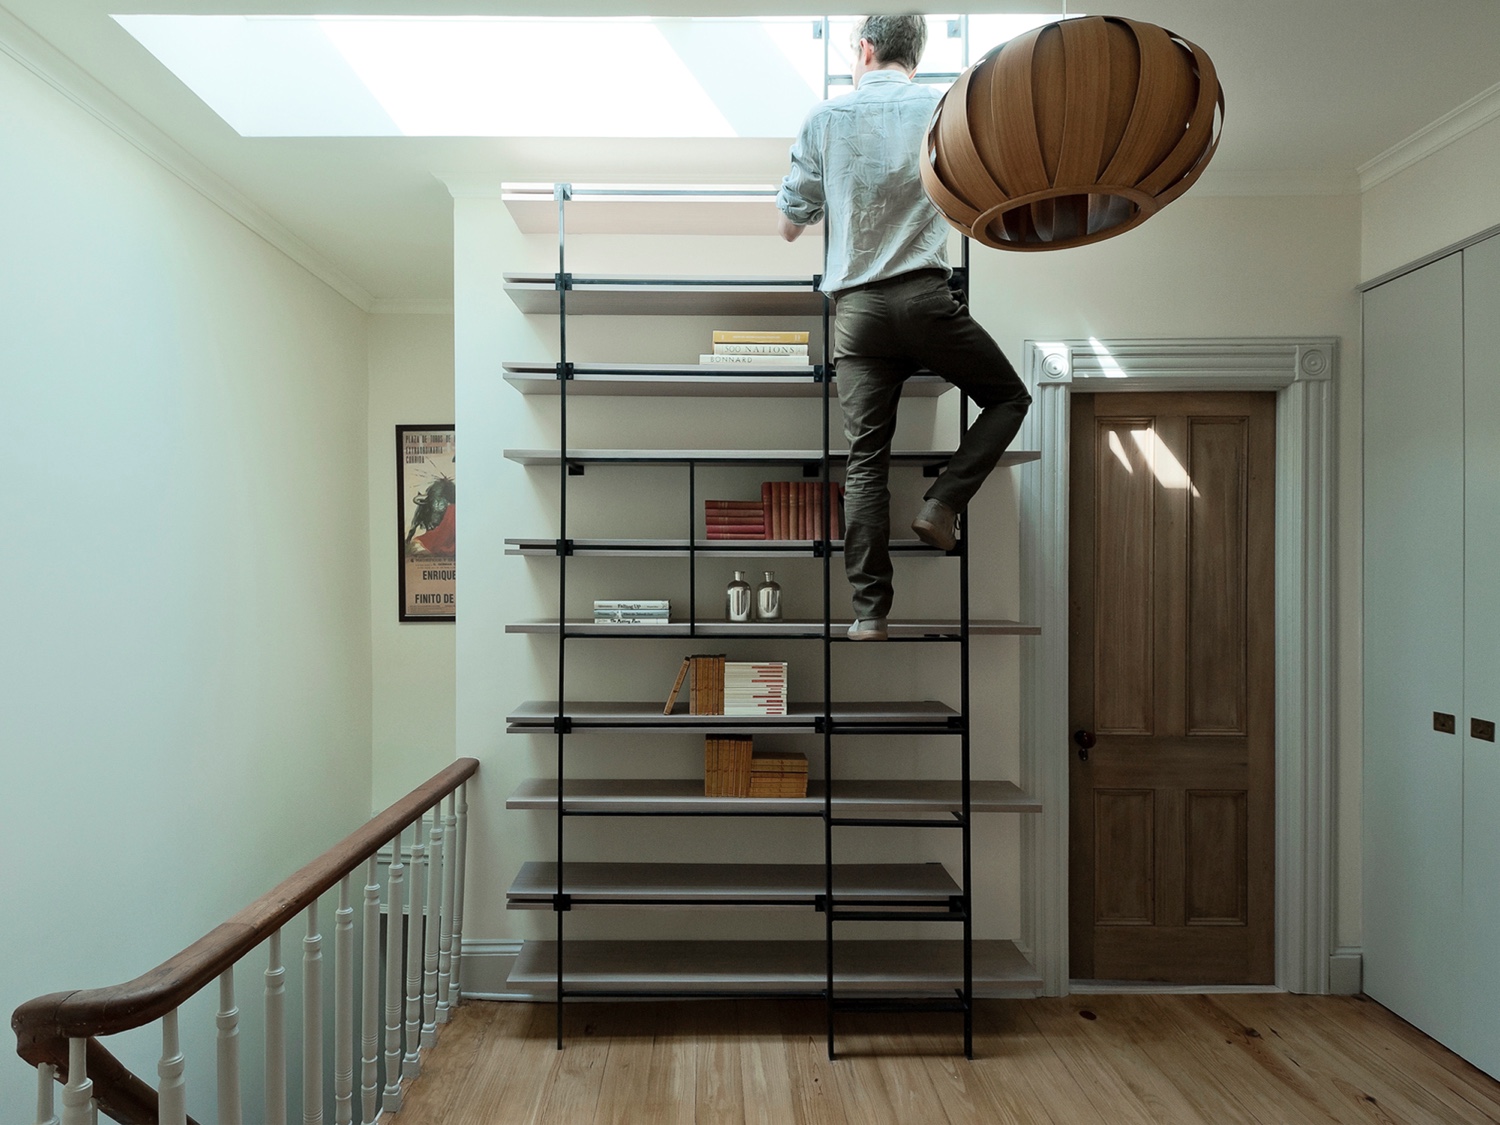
[(1152, 988), (486, 968), (1346, 971)]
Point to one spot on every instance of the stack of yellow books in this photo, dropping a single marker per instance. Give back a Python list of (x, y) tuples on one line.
[(778, 774)]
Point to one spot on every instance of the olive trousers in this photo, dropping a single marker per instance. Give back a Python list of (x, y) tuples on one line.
[(884, 333)]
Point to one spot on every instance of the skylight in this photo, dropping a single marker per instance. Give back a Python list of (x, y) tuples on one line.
[(422, 76)]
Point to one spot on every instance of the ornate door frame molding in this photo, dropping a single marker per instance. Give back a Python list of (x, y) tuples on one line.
[(1301, 372)]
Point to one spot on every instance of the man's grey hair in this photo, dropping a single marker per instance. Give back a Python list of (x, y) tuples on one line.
[(896, 39)]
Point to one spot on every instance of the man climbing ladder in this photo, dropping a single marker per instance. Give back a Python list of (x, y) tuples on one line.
[(855, 162)]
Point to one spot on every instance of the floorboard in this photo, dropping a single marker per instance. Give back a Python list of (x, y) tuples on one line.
[(1260, 1059)]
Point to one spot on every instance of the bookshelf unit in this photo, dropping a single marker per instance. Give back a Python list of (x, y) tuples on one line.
[(847, 974)]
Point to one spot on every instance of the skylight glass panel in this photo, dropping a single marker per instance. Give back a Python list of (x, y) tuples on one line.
[(521, 76)]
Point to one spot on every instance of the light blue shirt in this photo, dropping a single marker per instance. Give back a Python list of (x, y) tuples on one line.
[(856, 160)]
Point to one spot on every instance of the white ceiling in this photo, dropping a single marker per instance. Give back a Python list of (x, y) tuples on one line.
[(1315, 89)]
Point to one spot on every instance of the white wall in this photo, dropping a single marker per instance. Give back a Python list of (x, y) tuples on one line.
[(1206, 267), (1434, 203), (412, 688), (185, 703)]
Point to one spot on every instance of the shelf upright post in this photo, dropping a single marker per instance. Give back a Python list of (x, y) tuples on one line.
[(693, 548), (562, 193)]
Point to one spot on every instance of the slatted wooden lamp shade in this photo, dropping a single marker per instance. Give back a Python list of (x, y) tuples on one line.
[(1071, 133)]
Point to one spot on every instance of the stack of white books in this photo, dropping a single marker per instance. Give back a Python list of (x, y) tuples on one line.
[(754, 688), (631, 611), (752, 349)]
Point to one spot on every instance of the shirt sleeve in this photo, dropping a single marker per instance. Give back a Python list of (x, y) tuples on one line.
[(801, 197)]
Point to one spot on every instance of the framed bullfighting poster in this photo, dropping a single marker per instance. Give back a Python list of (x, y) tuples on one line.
[(424, 491)]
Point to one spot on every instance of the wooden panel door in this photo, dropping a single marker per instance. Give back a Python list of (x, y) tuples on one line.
[(1172, 641), (1413, 644), (1481, 631)]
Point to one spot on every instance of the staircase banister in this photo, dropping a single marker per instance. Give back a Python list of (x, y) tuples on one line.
[(44, 1025)]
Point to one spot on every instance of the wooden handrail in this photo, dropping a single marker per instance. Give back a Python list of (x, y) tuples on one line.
[(43, 1026)]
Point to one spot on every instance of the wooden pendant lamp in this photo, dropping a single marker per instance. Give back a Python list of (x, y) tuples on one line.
[(1071, 133)]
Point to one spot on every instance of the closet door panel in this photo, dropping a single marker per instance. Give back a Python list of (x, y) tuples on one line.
[(1481, 819), (1413, 647)]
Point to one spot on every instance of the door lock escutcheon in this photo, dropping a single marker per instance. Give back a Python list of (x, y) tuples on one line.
[(1483, 729)]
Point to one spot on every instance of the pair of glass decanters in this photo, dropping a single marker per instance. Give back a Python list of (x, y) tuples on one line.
[(763, 603)]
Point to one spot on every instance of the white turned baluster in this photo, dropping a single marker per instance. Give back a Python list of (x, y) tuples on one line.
[(411, 1064), (369, 969), (312, 1020), (430, 932), (171, 1092), (393, 921), (46, 1079), (343, 1007), (275, 1034), (230, 1112), (456, 984), (445, 927), (78, 1094)]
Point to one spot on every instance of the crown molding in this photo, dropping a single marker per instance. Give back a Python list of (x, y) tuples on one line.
[(41, 58), (1479, 110)]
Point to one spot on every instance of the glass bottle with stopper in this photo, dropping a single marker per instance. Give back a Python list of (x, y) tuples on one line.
[(738, 598), (768, 599)]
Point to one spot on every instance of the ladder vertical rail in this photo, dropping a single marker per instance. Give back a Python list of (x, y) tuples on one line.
[(435, 858), (562, 193), (827, 638), (445, 937), (78, 1094), (312, 1019), (456, 983), (46, 1094), (965, 746), (275, 1033), (228, 1042), (394, 927), (171, 1090), (343, 1005), (369, 1008), (411, 1061)]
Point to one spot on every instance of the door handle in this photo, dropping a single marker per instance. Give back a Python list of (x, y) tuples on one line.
[(1482, 729), (1086, 742)]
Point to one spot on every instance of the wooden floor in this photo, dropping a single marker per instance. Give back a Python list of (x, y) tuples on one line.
[(1130, 1059)]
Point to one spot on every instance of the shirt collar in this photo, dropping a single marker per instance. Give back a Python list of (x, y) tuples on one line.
[(883, 76)]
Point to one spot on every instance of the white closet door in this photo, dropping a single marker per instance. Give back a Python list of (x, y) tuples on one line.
[(1413, 645), (1481, 885)]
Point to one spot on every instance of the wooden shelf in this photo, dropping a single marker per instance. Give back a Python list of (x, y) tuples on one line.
[(869, 797), (877, 968), (737, 456), (536, 716), (918, 886), (597, 295), (690, 379), (678, 548), (899, 630)]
